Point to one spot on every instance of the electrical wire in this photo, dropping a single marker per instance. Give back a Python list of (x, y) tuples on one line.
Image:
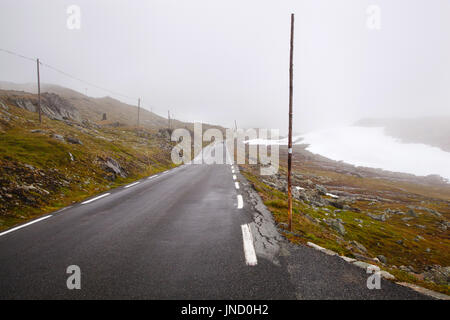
[(72, 76)]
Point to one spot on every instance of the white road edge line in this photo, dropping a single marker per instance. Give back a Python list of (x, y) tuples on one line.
[(234, 177), (131, 185), (65, 208), (236, 184), (232, 171), (96, 198), (25, 225), (249, 249), (240, 202), (152, 177)]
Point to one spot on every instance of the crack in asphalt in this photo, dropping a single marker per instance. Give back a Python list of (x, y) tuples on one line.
[(266, 237), (313, 274)]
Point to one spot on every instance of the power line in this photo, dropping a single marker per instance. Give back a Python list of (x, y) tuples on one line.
[(74, 77), (87, 82), (17, 55)]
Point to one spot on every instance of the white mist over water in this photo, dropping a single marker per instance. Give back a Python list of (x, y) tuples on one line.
[(370, 147)]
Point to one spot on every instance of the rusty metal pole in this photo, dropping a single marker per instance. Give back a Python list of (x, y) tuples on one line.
[(291, 80), (39, 91)]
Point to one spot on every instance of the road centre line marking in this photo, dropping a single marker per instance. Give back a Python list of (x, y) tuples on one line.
[(249, 249), (240, 201), (24, 225), (96, 198)]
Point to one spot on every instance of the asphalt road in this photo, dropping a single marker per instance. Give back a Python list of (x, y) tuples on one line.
[(177, 235)]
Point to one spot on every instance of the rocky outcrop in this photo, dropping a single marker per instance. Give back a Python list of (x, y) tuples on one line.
[(379, 217), (315, 194), (336, 224), (437, 274), (165, 133), (52, 105), (73, 140), (112, 167)]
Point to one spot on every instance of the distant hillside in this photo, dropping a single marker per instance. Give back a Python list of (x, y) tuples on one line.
[(73, 153), (93, 109), (52, 105), (434, 131), (49, 165)]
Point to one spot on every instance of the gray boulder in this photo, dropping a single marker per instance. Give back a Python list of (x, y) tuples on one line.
[(359, 246), (382, 258), (438, 274), (337, 225), (321, 189), (113, 167), (73, 140), (58, 137), (379, 217), (412, 213)]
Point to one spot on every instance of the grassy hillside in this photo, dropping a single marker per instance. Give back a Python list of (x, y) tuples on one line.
[(47, 166), (92, 109)]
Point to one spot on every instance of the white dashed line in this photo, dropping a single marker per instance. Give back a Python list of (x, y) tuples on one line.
[(152, 177), (24, 225), (96, 198), (249, 249), (232, 171), (234, 177), (131, 185), (236, 184), (240, 201)]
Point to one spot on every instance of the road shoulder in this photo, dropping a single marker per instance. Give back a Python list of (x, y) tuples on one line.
[(314, 274)]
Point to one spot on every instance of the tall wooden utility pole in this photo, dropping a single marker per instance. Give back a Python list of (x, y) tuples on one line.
[(139, 109), (291, 80), (39, 91), (168, 117)]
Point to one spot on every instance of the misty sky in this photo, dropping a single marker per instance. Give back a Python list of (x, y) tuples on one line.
[(218, 61)]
